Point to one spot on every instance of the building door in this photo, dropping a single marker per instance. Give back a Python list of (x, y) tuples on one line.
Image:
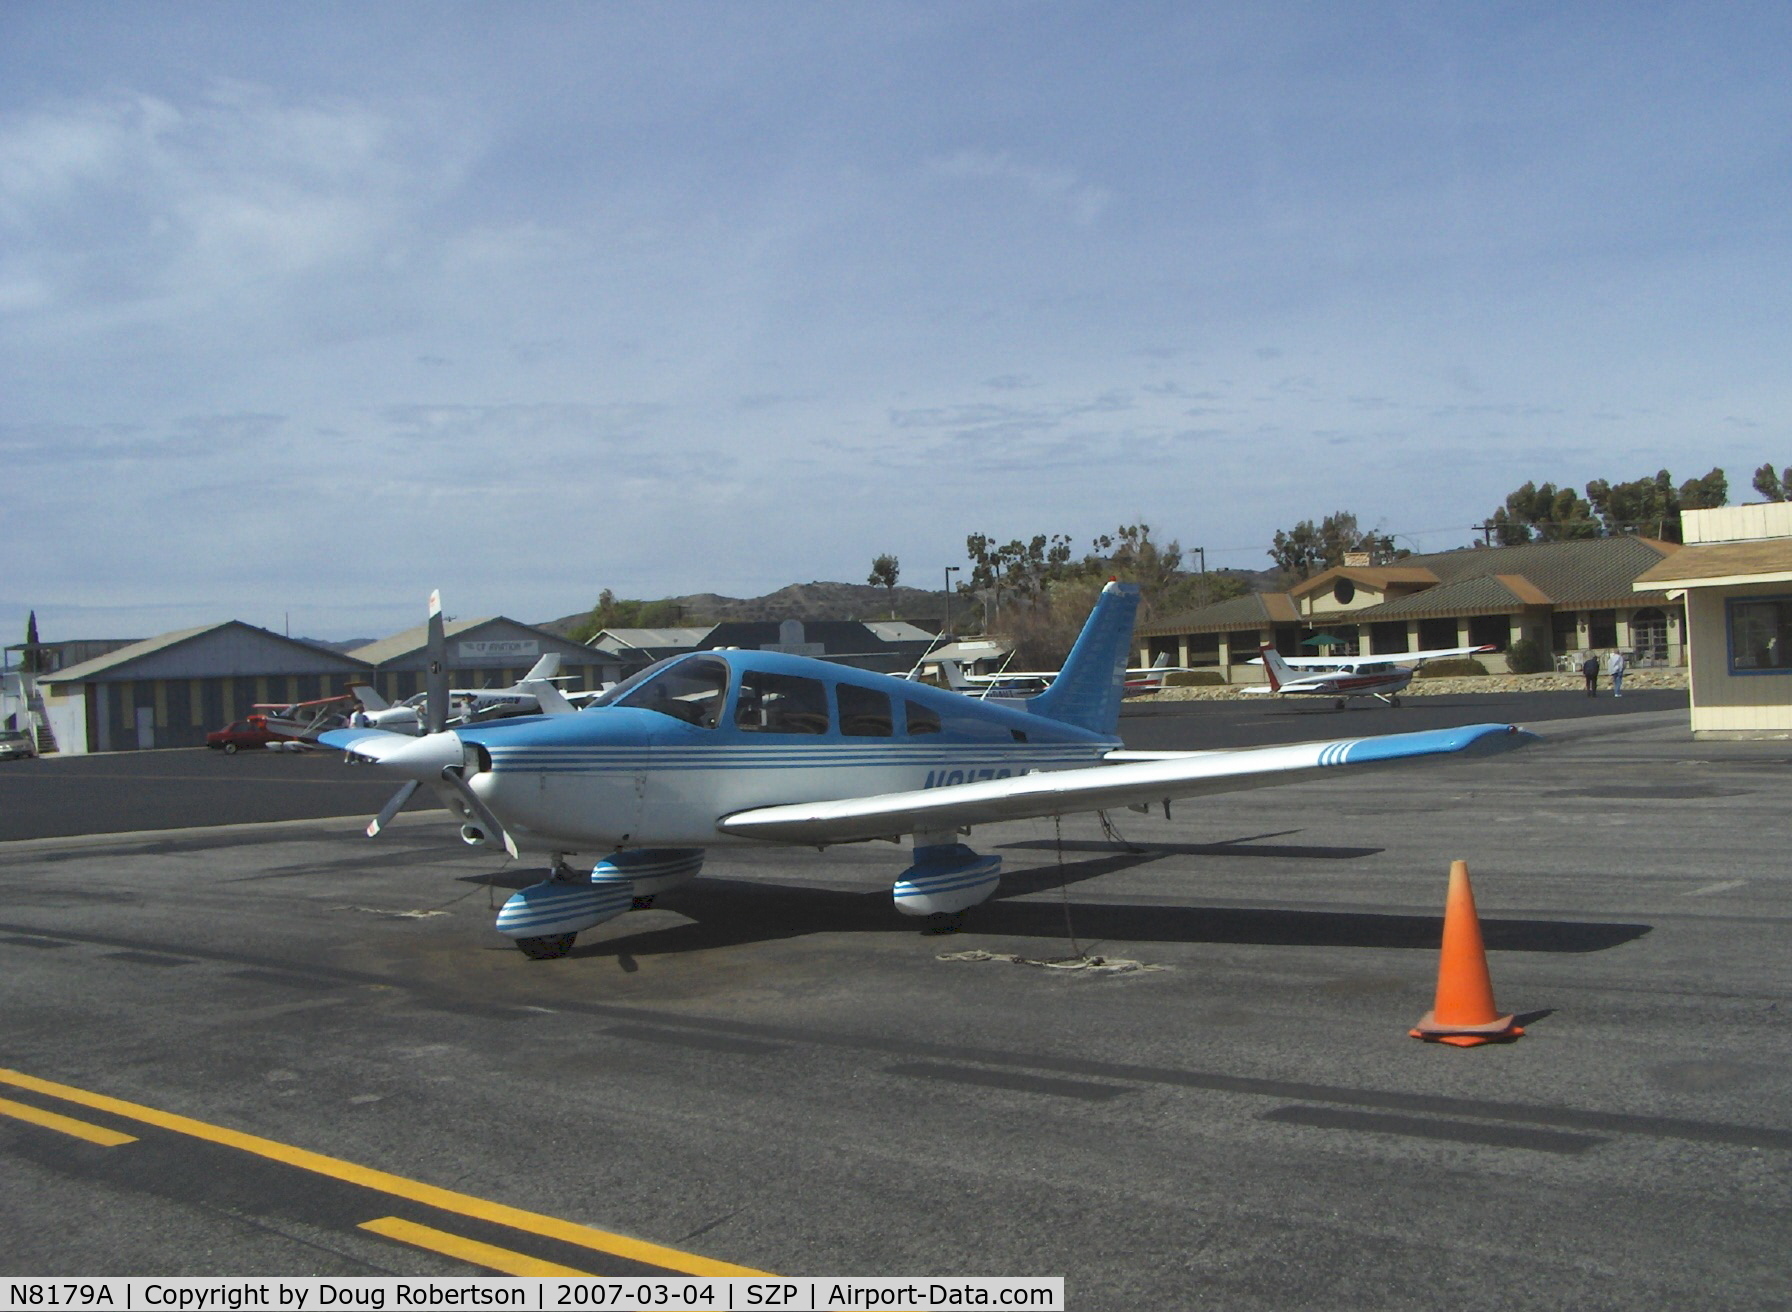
[(146, 728), (1649, 637)]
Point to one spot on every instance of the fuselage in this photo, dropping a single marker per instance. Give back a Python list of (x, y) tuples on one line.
[(661, 758), (1374, 680)]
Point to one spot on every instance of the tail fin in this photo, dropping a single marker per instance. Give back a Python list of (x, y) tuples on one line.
[(954, 677), (545, 668), (549, 698), (1276, 668), (369, 699), (1088, 689)]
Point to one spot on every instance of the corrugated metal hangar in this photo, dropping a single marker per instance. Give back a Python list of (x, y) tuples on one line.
[(171, 690)]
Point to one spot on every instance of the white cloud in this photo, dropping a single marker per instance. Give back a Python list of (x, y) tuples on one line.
[(1058, 189)]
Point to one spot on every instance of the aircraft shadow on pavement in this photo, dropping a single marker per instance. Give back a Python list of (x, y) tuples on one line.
[(1224, 847), (732, 912)]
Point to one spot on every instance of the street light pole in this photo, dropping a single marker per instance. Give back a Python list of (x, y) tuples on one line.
[(947, 627)]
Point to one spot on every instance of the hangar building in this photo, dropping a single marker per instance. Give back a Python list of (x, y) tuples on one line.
[(169, 691)]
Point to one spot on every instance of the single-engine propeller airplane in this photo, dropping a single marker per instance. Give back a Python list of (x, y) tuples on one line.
[(1141, 680), (743, 747), (1342, 677), (465, 705)]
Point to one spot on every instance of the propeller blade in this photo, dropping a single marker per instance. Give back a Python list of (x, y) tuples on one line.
[(456, 781), (391, 808), (436, 677)]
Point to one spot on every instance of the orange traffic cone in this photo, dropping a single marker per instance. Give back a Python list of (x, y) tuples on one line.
[(1464, 1014)]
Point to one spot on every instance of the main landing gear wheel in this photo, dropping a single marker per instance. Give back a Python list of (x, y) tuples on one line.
[(944, 922), (547, 947), (1338, 705)]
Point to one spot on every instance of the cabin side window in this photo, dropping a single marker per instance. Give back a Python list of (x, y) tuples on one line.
[(691, 690), (921, 719), (864, 712), (781, 703)]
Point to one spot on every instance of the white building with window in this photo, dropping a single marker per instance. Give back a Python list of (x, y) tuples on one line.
[(1735, 573)]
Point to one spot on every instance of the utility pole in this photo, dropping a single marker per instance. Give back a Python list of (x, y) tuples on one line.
[(947, 627)]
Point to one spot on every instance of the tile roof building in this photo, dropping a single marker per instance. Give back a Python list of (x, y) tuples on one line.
[(1567, 597)]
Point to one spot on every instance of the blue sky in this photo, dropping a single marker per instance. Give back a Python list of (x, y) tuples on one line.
[(306, 310)]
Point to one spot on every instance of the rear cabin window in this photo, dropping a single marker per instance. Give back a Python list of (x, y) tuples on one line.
[(691, 690), (864, 712), (921, 719), (781, 703)]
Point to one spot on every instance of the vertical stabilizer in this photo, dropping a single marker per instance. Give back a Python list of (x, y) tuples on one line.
[(1275, 668), (1088, 689)]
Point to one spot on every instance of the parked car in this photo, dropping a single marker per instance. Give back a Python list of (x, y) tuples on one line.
[(252, 732), (16, 745)]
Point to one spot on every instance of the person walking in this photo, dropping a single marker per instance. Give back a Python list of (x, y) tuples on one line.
[(1590, 669), (1616, 667)]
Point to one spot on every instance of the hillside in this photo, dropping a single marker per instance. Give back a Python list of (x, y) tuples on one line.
[(805, 601), (843, 601)]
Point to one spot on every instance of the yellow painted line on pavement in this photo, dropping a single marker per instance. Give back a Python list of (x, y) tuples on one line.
[(447, 1200), (472, 1251), (67, 1124)]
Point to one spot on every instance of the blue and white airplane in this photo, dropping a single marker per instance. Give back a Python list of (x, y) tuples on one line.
[(742, 747)]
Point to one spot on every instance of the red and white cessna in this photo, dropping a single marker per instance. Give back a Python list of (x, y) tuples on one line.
[(1345, 677)]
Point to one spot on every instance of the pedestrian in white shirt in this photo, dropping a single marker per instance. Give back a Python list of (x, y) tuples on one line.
[(1615, 667)]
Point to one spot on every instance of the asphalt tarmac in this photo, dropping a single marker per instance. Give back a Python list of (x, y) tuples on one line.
[(320, 1058), (123, 792)]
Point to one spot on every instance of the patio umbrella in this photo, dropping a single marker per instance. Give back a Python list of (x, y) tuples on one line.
[(1324, 640)]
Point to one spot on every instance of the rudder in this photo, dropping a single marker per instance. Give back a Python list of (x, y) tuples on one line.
[(1088, 690)]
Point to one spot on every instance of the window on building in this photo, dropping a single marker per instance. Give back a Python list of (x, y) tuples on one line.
[(1649, 636), (1760, 630), (1564, 631), (1435, 633), (1602, 628), (1388, 638), (1489, 631), (781, 703)]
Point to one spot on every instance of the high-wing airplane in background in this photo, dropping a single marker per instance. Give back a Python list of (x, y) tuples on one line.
[(1342, 677), (1141, 680), (299, 723), (465, 705), (744, 747)]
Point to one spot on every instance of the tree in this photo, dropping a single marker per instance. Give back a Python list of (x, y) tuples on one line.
[(1651, 507), (1774, 486), (1647, 506), (884, 570), (33, 662), (1308, 547), (1543, 514), (1040, 594)]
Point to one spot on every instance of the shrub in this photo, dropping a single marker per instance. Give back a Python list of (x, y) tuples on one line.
[(1193, 678), (1453, 668), (1527, 657)]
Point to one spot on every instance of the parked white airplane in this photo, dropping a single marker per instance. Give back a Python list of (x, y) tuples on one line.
[(744, 747), (1344, 677), (1141, 680), (465, 705)]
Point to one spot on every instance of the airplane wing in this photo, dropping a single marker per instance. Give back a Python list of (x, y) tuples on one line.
[(1419, 657), (1137, 779), (1394, 658)]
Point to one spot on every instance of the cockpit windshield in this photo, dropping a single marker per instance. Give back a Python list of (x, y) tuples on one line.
[(688, 688)]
